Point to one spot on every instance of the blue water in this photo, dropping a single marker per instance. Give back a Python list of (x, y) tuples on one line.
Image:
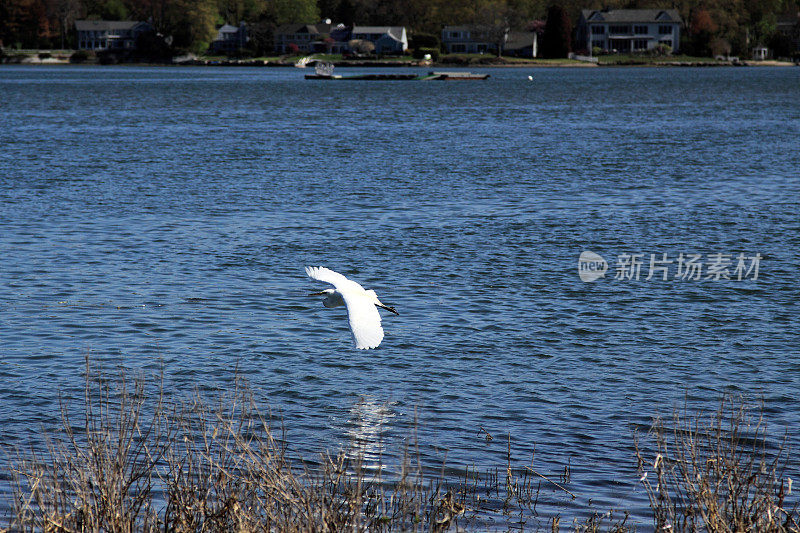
[(163, 216)]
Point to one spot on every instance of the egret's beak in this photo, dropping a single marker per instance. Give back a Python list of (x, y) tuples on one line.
[(317, 293), (390, 309)]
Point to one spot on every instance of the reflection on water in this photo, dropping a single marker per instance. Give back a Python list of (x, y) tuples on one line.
[(368, 425)]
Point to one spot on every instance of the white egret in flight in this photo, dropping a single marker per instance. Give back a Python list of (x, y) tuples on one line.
[(362, 312)]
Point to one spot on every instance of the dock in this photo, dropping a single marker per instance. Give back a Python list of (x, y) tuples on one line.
[(430, 76)]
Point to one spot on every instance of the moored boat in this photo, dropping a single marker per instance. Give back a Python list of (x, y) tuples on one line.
[(325, 72)]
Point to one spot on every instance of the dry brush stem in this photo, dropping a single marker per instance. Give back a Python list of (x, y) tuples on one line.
[(133, 461), (96, 475), (717, 473), (141, 462)]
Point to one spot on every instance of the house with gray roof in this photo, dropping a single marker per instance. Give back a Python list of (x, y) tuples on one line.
[(521, 44), (230, 39), (475, 40), (308, 38), (109, 34), (464, 40), (387, 39), (629, 30)]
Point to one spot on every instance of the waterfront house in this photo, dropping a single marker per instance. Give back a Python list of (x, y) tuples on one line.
[(788, 25), (230, 39), (475, 40), (464, 40), (387, 39), (521, 44), (109, 34), (629, 30), (306, 37)]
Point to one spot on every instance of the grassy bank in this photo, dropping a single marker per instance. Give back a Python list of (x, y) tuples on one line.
[(130, 458), (643, 59), (679, 60)]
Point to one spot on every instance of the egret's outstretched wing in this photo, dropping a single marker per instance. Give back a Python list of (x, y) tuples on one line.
[(329, 276), (365, 321)]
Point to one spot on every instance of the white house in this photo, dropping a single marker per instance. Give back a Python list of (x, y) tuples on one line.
[(760, 53), (387, 39), (629, 30), (109, 34)]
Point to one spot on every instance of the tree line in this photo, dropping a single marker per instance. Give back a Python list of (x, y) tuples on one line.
[(710, 26)]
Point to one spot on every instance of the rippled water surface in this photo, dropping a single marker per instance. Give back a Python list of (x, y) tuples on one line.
[(163, 216)]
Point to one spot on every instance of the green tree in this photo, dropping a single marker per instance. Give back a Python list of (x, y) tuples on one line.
[(556, 39), (291, 11), (702, 29), (528, 10), (191, 23), (66, 12), (261, 34), (24, 23), (106, 9), (236, 11), (345, 12), (492, 22), (151, 10)]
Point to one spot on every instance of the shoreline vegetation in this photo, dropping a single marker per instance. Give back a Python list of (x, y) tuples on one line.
[(133, 458), (66, 57)]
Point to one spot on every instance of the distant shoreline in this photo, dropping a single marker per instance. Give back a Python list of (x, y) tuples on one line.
[(503, 63)]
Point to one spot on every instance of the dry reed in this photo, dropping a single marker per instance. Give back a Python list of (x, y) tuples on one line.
[(139, 462), (718, 473), (134, 460)]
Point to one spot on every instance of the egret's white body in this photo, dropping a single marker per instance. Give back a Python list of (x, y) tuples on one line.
[(362, 306)]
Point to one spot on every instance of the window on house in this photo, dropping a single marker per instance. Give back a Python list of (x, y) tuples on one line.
[(458, 48), (664, 30), (668, 42), (640, 44), (621, 45), (619, 29), (598, 30), (640, 30), (454, 35)]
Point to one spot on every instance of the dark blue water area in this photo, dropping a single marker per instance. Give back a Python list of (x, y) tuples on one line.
[(162, 217)]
